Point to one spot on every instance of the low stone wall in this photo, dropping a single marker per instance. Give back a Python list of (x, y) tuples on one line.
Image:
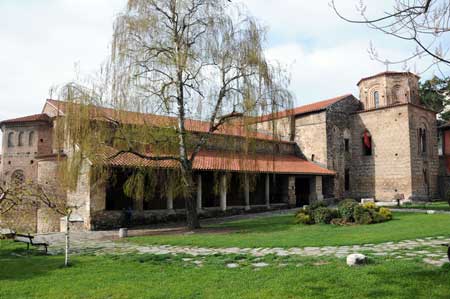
[(104, 220)]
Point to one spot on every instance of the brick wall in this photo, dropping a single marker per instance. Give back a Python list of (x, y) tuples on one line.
[(388, 170), (338, 129), (424, 166)]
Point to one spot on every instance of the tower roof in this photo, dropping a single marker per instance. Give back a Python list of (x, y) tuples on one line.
[(387, 73)]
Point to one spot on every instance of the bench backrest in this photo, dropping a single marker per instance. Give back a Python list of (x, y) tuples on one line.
[(23, 238)]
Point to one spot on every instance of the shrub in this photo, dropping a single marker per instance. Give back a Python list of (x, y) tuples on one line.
[(338, 221), (323, 215), (304, 211), (362, 215), (386, 213), (370, 206), (317, 204), (301, 218), (346, 209)]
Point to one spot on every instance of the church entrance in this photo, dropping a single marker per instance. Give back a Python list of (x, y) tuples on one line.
[(302, 191)]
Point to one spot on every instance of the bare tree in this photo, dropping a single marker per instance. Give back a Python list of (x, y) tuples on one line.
[(30, 195), (186, 59), (425, 23)]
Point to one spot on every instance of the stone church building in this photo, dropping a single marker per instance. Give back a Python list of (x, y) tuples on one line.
[(382, 146)]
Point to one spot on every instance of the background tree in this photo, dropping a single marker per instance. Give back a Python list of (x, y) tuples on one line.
[(425, 23), (434, 94), (188, 59)]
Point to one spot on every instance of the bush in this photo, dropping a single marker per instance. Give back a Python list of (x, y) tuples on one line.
[(323, 215), (385, 213), (370, 206), (338, 221), (362, 215), (301, 218), (317, 204), (346, 209)]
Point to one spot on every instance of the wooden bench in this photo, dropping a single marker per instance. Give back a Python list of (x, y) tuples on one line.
[(28, 239)]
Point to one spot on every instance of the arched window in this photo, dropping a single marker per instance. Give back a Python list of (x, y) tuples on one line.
[(397, 94), (20, 141), (376, 99), (422, 140), (18, 177), (367, 144), (10, 139), (31, 138)]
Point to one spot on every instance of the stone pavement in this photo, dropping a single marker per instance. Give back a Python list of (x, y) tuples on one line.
[(429, 250)]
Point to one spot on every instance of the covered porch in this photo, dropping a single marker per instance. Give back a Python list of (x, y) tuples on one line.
[(225, 184)]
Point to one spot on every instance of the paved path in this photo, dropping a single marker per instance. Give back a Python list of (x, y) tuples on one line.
[(430, 250)]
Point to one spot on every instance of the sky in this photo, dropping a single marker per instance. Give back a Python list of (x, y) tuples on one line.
[(46, 43)]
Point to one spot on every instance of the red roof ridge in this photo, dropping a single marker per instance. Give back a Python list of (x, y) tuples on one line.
[(387, 73), (29, 118), (308, 108), (192, 125)]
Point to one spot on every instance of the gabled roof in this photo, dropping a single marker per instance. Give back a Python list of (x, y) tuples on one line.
[(135, 118), (223, 161), (387, 73), (310, 108), (30, 118)]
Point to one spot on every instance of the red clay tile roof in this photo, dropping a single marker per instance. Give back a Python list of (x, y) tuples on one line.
[(30, 118), (225, 161), (314, 107), (388, 73), (135, 118)]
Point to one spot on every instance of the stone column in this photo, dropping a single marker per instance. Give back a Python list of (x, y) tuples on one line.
[(315, 187), (292, 198), (199, 192), (268, 191), (247, 192), (223, 192), (169, 205)]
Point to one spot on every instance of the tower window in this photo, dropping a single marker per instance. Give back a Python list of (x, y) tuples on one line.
[(422, 138), (347, 179), (376, 99), (20, 143), (31, 138), (347, 145), (367, 144), (10, 139)]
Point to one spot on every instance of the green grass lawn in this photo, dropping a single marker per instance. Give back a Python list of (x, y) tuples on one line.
[(437, 205), (279, 231), (166, 277)]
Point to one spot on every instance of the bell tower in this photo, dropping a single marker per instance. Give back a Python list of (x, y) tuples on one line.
[(388, 89)]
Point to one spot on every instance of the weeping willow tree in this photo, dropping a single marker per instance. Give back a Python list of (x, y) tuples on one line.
[(178, 60)]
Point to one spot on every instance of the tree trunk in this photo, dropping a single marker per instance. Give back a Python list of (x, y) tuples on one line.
[(190, 200), (66, 260)]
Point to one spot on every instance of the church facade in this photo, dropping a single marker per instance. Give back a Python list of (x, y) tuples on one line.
[(383, 146)]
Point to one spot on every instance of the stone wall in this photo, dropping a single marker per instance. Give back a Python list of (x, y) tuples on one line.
[(311, 137), (338, 129), (282, 127), (424, 166), (388, 170), (47, 219), (81, 196)]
